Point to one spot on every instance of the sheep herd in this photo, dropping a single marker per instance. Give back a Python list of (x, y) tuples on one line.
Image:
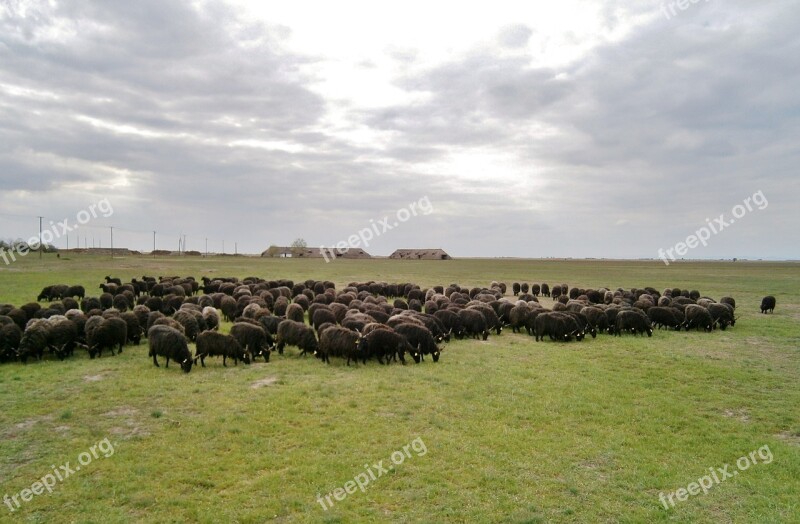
[(363, 321)]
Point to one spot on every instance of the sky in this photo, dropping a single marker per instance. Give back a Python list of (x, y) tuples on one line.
[(537, 129)]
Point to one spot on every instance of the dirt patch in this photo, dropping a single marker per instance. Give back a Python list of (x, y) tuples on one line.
[(124, 411), (29, 423), (129, 426), (93, 378), (740, 414), (62, 429), (267, 381), (790, 437)]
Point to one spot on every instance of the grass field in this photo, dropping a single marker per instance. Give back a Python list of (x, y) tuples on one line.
[(513, 430)]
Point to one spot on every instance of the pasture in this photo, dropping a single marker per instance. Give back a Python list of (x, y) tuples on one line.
[(513, 430)]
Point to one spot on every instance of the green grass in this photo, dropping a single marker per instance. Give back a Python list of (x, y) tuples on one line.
[(515, 431)]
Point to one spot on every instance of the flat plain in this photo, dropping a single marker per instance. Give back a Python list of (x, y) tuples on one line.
[(514, 430)]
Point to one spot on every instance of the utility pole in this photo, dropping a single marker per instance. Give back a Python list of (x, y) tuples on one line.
[(206, 247), (40, 238), (112, 242), (235, 248), (223, 247)]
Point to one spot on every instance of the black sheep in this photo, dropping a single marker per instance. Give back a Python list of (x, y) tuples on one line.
[(62, 336), (697, 317), (212, 343), (296, 334), (665, 317), (340, 342), (189, 323), (295, 312), (474, 323), (519, 317), (321, 316), (384, 344), (109, 332), (421, 341), (722, 315), (170, 343), (557, 326), (211, 318), (34, 341), (634, 321), (134, 327), (253, 339), (768, 304), (515, 288), (451, 322), (10, 337)]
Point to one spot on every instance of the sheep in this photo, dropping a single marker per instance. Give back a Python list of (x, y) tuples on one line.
[(30, 309), (211, 318), (296, 334), (492, 321), (339, 342), (295, 312), (170, 343), (583, 324), (597, 317), (515, 288), (62, 336), (384, 344), (421, 341), (696, 317), (768, 304), (75, 291), (168, 321), (229, 308), (110, 280), (474, 323), (451, 322), (665, 317), (108, 333), (134, 327), (545, 290), (189, 323), (34, 341), (253, 339), (555, 325), (321, 316), (722, 315), (634, 321), (10, 337), (212, 343), (519, 316), (269, 323), (728, 300)]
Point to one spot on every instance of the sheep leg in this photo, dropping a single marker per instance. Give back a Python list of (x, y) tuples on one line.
[(155, 361)]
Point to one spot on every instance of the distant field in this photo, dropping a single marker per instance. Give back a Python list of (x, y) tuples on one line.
[(513, 430)]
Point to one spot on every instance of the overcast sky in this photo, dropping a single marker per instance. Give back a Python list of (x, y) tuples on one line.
[(534, 129)]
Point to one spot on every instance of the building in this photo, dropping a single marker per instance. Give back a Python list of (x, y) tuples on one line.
[(421, 254)]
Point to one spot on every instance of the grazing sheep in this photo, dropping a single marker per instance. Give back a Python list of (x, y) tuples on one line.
[(722, 315), (634, 321), (212, 343), (10, 337), (451, 322), (321, 316), (229, 308), (768, 304), (211, 317), (297, 334), (109, 332), (295, 312), (34, 341), (728, 300), (519, 317), (665, 317), (474, 323), (421, 340), (339, 342), (134, 327), (170, 343), (597, 317), (62, 336), (515, 288), (253, 339), (189, 323), (384, 344), (697, 317), (557, 326)]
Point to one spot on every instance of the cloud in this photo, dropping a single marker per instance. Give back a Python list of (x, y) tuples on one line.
[(614, 137)]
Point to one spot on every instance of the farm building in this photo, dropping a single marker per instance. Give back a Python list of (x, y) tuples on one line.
[(421, 254), (314, 252)]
